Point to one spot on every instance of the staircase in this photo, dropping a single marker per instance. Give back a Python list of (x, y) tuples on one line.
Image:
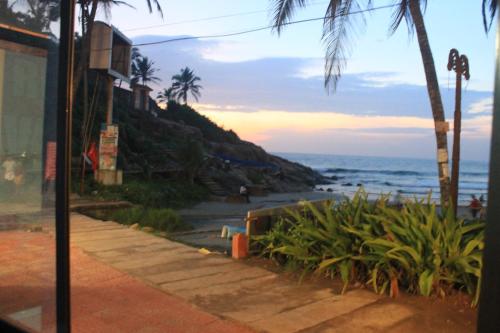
[(213, 186)]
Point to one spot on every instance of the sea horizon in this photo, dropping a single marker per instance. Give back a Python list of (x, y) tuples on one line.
[(406, 177), (279, 153)]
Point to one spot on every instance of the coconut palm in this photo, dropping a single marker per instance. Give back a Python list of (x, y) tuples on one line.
[(338, 23), (166, 95), (185, 83), (143, 71)]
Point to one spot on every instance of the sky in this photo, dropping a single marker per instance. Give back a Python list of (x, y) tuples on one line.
[(269, 87)]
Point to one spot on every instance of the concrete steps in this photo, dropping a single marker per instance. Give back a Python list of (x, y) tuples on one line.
[(213, 186)]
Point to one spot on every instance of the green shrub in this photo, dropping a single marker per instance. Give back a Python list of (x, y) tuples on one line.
[(414, 248), (155, 193), (164, 219)]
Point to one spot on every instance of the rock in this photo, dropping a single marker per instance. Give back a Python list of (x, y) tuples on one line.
[(334, 178), (347, 184), (135, 226), (320, 189), (329, 190), (148, 229), (359, 184)]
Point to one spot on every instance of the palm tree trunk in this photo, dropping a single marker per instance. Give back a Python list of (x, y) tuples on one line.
[(435, 99)]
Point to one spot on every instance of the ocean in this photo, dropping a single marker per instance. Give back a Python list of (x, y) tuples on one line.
[(388, 175)]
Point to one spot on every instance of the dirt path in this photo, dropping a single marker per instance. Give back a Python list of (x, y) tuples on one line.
[(249, 294)]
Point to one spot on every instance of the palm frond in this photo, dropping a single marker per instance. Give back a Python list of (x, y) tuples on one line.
[(491, 6), (158, 6), (338, 27), (283, 12), (403, 12)]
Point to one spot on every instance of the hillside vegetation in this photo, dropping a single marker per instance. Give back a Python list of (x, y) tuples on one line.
[(168, 156)]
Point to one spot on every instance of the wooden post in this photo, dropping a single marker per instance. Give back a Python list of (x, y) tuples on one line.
[(460, 64), (109, 106)]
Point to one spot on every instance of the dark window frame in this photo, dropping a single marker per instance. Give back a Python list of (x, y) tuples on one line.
[(64, 112), (489, 303)]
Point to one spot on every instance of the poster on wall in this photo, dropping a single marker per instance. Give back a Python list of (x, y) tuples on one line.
[(108, 147)]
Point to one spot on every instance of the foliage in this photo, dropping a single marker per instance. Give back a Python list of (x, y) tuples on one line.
[(155, 193), (160, 219), (187, 115), (143, 71), (166, 95), (185, 83), (33, 14), (490, 6), (191, 157), (416, 248)]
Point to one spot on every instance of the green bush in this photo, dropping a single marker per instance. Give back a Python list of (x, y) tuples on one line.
[(414, 248), (154, 193), (164, 219)]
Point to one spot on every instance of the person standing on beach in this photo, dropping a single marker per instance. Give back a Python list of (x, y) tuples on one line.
[(475, 206), (244, 193)]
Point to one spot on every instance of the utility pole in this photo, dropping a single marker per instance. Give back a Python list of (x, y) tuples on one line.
[(460, 64)]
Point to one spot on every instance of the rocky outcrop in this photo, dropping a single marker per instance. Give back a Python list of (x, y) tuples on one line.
[(152, 141)]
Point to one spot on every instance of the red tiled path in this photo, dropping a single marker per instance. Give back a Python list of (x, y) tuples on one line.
[(103, 299)]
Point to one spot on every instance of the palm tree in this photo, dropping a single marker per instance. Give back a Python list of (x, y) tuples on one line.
[(185, 83), (166, 95), (337, 24), (143, 71)]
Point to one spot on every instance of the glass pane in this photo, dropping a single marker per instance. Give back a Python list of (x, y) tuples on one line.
[(28, 69)]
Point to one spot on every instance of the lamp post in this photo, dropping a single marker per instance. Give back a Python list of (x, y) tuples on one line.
[(459, 64)]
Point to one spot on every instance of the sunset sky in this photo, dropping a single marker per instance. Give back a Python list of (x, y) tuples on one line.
[(269, 88)]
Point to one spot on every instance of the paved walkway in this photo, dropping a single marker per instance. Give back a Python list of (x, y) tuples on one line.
[(230, 289), (130, 281), (104, 299)]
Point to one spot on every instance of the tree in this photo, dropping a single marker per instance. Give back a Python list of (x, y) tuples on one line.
[(166, 95), (35, 15), (191, 157), (185, 83), (338, 23), (143, 71)]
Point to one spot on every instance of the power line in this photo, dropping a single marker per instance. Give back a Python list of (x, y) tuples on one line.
[(211, 18), (244, 32), (195, 20)]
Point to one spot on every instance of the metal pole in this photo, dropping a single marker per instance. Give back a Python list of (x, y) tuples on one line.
[(109, 106), (460, 64), (488, 319), (63, 165), (457, 124)]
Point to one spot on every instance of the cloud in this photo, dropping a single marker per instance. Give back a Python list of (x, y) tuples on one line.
[(202, 107), (276, 101), (478, 127), (482, 106), (251, 126)]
